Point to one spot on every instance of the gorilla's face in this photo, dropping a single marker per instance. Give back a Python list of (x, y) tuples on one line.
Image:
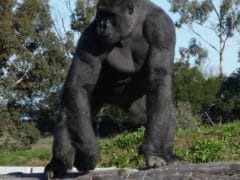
[(114, 20)]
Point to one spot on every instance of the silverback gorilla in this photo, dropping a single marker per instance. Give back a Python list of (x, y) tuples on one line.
[(124, 57)]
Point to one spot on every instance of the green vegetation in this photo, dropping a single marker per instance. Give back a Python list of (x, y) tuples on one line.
[(204, 144), (25, 157), (122, 150), (35, 56), (207, 144), (15, 134)]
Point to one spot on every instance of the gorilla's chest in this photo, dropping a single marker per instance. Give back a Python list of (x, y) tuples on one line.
[(130, 57), (123, 70)]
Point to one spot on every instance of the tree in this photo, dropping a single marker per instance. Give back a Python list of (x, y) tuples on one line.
[(229, 97), (83, 14), (188, 83), (195, 50), (191, 86), (8, 40), (196, 13), (33, 59)]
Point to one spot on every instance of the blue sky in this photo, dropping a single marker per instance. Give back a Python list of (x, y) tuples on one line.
[(211, 65)]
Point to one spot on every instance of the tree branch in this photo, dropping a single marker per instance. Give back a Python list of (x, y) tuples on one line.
[(201, 37), (207, 27), (23, 76), (68, 4), (215, 10), (224, 43)]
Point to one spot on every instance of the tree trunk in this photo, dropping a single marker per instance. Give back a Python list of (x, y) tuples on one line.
[(221, 75)]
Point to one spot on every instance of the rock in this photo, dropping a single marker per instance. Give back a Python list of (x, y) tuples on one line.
[(205, 171)]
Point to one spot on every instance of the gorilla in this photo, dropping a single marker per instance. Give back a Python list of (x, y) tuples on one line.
[(124, 57)]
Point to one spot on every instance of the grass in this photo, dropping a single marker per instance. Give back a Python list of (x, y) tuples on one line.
[(204, 144), (25, 157), (208, 144)]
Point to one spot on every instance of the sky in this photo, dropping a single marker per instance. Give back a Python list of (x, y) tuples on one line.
[(211, 65)]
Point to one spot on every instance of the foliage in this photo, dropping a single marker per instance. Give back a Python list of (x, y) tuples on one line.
[(228, 104), (230, 92), (191, 86), (114, 121), (83, 14), (214, 99), (185, 118), (195, 50), (122, 150), (15, 134), (216, 143), (204, 144), (188, 84), (33, 59)]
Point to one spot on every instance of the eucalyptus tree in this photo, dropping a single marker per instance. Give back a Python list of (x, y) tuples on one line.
[(222, 18), (33, 60)]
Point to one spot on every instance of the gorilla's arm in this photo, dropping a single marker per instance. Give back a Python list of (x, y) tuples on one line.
[(75, 104), (74, 123), (159, 97)]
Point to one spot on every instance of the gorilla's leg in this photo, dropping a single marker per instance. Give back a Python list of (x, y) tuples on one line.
[(138, 111), (160, 128), (63, 151)]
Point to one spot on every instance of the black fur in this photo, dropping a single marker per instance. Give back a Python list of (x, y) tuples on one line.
[(124, 57)]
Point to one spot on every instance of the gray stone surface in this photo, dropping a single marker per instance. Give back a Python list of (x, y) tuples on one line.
[(208, 171)]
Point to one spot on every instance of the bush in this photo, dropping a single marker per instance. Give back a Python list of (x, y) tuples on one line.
[(127, 140), (14, 133), (32, 134), (185, 118), (122, 150), (229, 98), (188, 85), (207, 150), (114, 121), (191, 86)]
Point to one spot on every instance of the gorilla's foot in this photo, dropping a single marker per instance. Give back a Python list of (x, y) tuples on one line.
[(55, 170), (85, 162), (154, 161)]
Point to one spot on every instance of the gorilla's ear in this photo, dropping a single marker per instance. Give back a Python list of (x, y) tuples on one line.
[(130, 6)]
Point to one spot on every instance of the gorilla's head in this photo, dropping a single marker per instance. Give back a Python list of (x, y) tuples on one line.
[(115, 20)]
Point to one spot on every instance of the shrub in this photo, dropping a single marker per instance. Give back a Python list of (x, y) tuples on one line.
[(114, 121), (207, 150), (14, 133), (191, 86), (228, 104), (185, 118), (130, 139), (122, 150)]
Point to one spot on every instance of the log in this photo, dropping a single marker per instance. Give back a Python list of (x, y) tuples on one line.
[(205, 171)]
